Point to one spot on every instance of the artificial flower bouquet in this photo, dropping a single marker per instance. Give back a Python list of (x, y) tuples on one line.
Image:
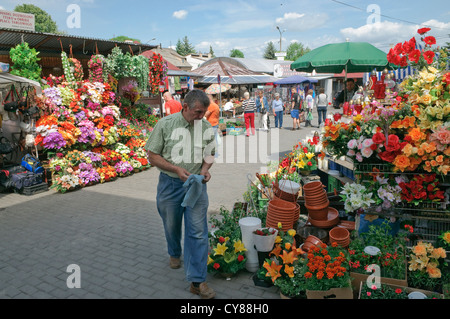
[(426, 263), (281, 265), (227, 256)]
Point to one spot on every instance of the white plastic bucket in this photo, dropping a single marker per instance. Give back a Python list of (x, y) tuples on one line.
[(248, 225)]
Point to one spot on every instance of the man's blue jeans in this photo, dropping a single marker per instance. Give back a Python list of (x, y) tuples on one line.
[(170, 195)]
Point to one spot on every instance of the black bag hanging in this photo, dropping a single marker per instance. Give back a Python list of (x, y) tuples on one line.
[(13, 105), (5, 146)]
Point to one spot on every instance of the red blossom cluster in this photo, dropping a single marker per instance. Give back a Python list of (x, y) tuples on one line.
[(402, 52), (421, 187)]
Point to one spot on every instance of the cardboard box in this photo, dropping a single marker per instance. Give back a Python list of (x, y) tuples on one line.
[(333, 293), (358, 279), (407, 289)]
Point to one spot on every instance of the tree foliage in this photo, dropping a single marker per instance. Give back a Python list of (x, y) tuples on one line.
[(184, 47), (235, 53), (269, 52), (123, 38), (211, 51), (25, 62), (296, 50), (42, 20)]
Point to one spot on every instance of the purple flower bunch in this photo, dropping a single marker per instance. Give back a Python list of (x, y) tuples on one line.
[(93, 106), (54, 140), (93, 157), (87, 135), (88, 174), (54, 95), (123, 167)]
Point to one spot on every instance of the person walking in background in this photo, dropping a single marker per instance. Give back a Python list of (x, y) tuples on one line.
[(262, 106), (296, 104), (309, 101), (171, 105), (277, 108), (177, 171), (249, 106), (346, 94), (212, 116), (322, 103)]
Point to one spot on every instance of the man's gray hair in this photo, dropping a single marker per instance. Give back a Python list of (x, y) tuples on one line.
[(196, 96)]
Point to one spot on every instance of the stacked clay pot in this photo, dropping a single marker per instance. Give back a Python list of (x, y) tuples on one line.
[(340, 235), (310, 242), (281, 211), (320, 214), (286, 190)]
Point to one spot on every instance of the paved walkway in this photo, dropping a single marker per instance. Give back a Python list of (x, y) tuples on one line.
[(114, 234)]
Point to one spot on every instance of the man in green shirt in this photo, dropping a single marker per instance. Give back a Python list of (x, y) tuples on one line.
[(182, 147)]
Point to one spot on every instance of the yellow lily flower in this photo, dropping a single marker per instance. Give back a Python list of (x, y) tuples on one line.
[(239, 246), (292, 232), (278, 240), (210, 260), (220, 249), (309, 155)]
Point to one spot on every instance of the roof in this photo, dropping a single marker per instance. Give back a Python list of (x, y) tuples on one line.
[(172, 70), (240, 79), (173, 57), (258, 65), (48, 43), (222, 67)]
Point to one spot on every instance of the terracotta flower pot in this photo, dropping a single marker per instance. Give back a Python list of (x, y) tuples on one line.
[(282, 205), (332, 219), (339, 234), (318, 212), (312, 186), (310, 242)]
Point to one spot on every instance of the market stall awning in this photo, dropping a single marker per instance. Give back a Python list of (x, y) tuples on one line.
[(347, 56), (6, 79), (295, 79)]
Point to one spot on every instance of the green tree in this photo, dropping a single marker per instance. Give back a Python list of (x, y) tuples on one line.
[(184, 47), (296, 50), (235, 53), (269, 52), (211, 51), (43, 22), (122, 38)]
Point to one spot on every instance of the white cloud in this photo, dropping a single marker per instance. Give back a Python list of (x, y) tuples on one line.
[(181, 14), (385, 34), (297, 22)]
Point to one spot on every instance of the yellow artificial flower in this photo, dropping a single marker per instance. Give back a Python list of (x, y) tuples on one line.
[(309, 155), (210, 260), (426, 99), (278, 240), (289, 271), (220, 249), (301, 164), (432, 70), (239, 246), (292, 232), (279, 225)]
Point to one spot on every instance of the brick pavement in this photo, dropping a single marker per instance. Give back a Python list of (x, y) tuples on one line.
[(113, 232)]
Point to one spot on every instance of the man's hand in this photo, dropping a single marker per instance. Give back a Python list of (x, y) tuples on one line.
[(207, 175), (183, 174)]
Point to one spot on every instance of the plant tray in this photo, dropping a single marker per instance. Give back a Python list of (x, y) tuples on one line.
[(407, 290), (35, 189), (235, 131)]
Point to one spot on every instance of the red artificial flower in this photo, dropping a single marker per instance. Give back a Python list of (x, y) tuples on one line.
[(408, 46), (446, 78), (221, 239), (414, 56), (240, 258), (398, 49), (398, 291), (430, 40), (387, 156), (429, 56), (423, 30), (378, 138), (392, 144), (216, 266), (309, 163)]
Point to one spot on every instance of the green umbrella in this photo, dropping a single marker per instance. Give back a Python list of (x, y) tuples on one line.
[(348, 56)]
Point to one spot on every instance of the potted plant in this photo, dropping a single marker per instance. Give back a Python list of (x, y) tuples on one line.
[(264, 238), (292, 287), (390, 255), (425, 263), (227, 257), (326, 273)]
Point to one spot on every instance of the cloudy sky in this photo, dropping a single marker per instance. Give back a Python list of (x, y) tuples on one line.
[(249, 25)]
